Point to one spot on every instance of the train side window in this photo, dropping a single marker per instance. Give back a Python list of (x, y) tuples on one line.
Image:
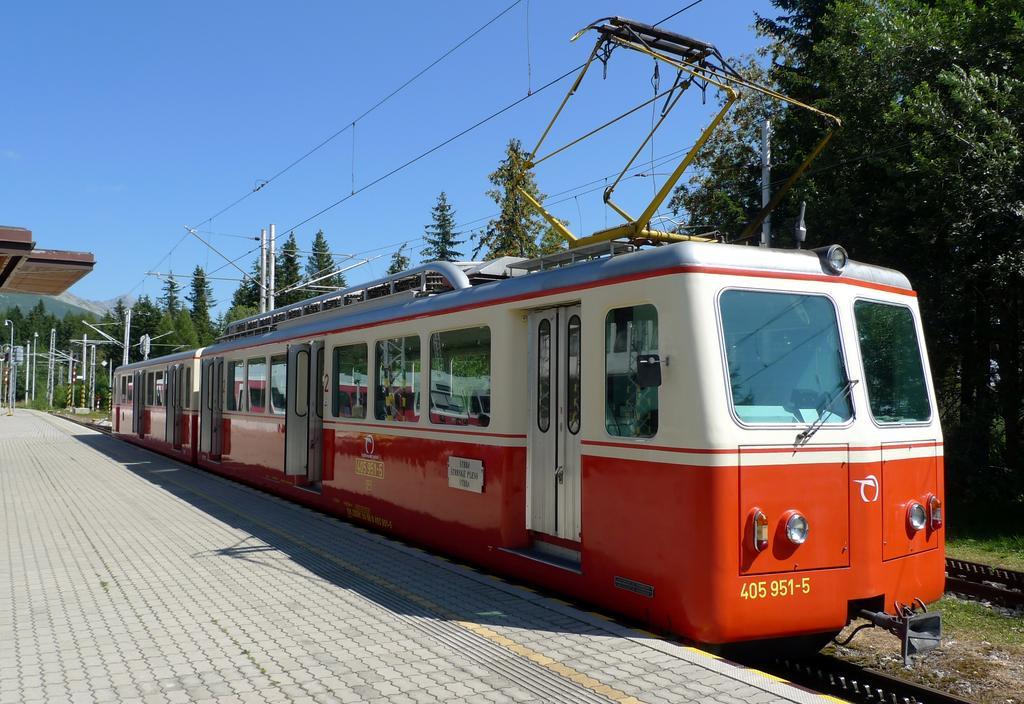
[(631, 409), (235, 386), (785, 358), (256, 384), (279, 384), (150, 389), (130, 389), (398, 369), (573, 383), (186, 389), (124, 389), (351, 381), (544, 375), (319, 381), (301, 383), (460, 377), (160, 388), (893, 370)]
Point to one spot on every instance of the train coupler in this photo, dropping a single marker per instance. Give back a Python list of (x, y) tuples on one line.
[(918, 631)]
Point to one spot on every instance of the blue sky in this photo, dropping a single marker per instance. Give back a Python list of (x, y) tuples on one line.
[(124, 121)]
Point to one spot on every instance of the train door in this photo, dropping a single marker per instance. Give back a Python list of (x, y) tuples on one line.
[(210, 407), (139, 404), (176, 380), (553, 452), (304, 417)]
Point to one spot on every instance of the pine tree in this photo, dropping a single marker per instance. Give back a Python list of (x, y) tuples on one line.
[(399, 262), (200, 298), (440, 234), (321, 262), (287, 274), (170, 300), (248, 291), (516, 230)]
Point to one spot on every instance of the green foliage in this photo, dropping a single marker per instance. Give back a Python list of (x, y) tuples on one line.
[(170, 299), (517, 228), (321, 262), (287, 274), (399, 262), (440, 236), (200, 299), (237, 313), (248, 291)]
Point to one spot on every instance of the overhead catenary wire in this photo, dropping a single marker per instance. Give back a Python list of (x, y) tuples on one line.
[(352, 124)]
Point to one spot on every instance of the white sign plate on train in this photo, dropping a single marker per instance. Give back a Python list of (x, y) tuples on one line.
[(466, 474)]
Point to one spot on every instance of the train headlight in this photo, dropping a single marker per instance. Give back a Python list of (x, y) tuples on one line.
[(836, 259), (934, 512), (916, 516), (796, 528), (759, 529)]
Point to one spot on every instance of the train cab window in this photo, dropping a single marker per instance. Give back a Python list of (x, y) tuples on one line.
[(256, 384), (460, 377), (351, 381), (631, 409), (278, 384), (398, 368), (150, 389), (785, 358), (235, 386), (893, 370)]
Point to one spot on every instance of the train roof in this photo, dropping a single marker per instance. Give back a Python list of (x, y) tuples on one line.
[(473, 284), (165, 359)]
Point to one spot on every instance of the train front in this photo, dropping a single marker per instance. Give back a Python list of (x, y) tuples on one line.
[(827, 402)]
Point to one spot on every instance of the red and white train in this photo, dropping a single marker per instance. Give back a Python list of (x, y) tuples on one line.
[(725, 442)]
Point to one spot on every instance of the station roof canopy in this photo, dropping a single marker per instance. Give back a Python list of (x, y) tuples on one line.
[(25, 269)]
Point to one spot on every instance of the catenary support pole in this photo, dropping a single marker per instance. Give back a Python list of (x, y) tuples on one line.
[(127, 336), (263, 270), (272, 264), (766, 179)]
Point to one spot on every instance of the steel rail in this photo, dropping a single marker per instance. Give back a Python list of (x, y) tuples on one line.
[(830, 675), (980, 581)]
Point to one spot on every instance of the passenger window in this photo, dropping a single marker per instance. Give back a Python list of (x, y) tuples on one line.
[(124, 389), (256, 383), (160, 388), (544, 375), (278, 384), (301, 383), (573, 387), (398, 369), (130, 390), (785, 358), (630, 410), (150, 389), (351, 381), (235, 387), (186, 390), (320, 381), (460, 377), (893, 370)]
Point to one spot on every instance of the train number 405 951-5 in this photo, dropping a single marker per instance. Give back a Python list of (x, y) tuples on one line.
[(773, 588)]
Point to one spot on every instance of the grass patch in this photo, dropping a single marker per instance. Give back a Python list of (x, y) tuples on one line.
[(970, 620), (999, 551)]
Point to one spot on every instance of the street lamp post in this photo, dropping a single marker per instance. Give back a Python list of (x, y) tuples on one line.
[(35, 362)]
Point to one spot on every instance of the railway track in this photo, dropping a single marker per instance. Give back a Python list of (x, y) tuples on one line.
[(830, 675), (978, 581)]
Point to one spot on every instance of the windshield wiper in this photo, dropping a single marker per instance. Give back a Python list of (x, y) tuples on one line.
[(825, 412)]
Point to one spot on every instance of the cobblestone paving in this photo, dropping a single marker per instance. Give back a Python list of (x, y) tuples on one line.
[(129, 577)]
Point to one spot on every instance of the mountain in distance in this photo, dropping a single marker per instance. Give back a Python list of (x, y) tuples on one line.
[(61, 305)]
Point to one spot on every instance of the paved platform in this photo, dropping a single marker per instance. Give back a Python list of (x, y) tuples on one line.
[(129, 577)]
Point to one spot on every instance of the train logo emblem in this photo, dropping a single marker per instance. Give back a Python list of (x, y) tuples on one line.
[(870, 481), (368, 447)]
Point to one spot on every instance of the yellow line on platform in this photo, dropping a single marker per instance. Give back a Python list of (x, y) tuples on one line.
[(508, 644)]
